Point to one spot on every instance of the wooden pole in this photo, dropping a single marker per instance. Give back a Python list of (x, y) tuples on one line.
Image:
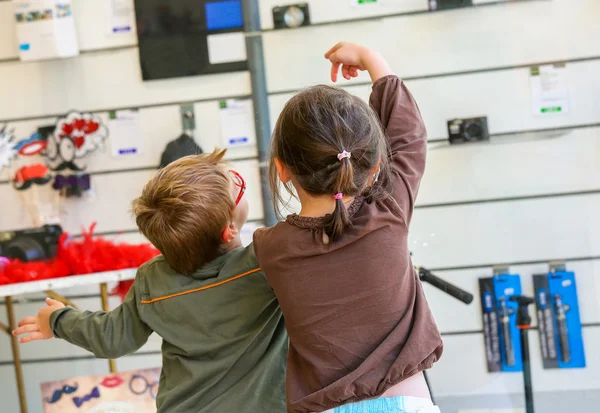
[(58, 297), (105, 307), (12, 325)]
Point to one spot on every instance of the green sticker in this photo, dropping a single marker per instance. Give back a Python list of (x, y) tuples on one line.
[(553, 109), (366, 1), (112, 115), (223, 104)]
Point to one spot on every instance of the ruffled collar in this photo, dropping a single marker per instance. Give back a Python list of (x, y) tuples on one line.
[(316, 223)]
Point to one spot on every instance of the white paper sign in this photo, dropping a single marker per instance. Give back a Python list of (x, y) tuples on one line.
[(549, 90), (120, 16), (237, 123), (125, 132), (226, 48)]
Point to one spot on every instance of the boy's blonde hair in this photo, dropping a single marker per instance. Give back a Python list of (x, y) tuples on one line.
[(184, 209)]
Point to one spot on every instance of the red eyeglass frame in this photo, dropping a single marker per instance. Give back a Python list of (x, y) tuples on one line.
[(242, 186)]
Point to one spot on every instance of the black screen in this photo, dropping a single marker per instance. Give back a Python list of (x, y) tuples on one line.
[(173, 34)]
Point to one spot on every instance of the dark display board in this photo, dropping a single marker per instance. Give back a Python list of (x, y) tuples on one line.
[(174, 36)]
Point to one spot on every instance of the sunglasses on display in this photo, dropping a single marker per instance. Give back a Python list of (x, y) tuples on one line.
[(240, 183)]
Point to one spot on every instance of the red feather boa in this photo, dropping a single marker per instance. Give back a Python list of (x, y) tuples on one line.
[(78, 257)]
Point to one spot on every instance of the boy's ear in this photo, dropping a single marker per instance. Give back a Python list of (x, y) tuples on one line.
[(229, 233), (284, 173)]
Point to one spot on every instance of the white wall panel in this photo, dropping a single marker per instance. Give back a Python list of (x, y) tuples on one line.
[(91, 24), (505, 232), (462, 369), (336, 10), (40, 349), (432, 43), (548, 163), (453, 316), (159, 126), (103, 80), (503, 96), (8, 37), (35, 374), (109, 202)]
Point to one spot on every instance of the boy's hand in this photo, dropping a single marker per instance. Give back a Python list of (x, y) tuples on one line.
[(354, 58), (38, 327)]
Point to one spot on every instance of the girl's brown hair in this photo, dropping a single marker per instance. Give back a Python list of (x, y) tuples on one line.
[(314, 127)]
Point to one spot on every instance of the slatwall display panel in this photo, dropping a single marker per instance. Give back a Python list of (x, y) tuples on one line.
[(159, 126), (505, 98), (505, 232), (102, 81), (434, 43), (37, 350), (467, 352), (209, 135), (109, 201), (8, 36), (336, 10), (93, 26), (452, 316), (35, 374), (510, 110), (542, 163)]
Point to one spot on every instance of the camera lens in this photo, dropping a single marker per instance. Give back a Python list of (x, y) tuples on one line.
[(473, 131)]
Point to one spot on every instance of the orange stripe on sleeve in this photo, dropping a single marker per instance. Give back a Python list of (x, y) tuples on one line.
[(195, 290)]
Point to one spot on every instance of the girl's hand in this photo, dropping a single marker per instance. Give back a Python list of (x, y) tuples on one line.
[(353, 58), (38, 327)]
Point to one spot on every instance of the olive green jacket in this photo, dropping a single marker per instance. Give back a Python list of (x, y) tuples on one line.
[(224, 341)]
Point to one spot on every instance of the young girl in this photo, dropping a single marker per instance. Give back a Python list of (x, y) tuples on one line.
[(361, 332)]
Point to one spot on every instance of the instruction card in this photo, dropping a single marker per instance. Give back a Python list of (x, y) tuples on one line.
[(549, 90), (237, 123), (125, 132), (120, 16)]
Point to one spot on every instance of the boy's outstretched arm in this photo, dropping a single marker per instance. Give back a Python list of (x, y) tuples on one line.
[(110, 334), (399, 115)]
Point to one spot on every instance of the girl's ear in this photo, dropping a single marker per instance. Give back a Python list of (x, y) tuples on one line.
[(229, 233), (282, 170)]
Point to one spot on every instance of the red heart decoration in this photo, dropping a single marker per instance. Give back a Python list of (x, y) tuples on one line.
[(67, 129), (79, 141), (79, 124), (91, 126)]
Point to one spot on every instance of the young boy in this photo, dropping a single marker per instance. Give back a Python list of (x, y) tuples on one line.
[(224, 341)]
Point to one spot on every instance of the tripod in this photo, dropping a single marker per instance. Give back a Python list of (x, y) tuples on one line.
[(524, 324), (427, 276)]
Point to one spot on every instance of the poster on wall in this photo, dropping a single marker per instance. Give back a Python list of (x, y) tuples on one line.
[(549, 90), (45, 29), (237, 123), (127, 392), (125, 130)]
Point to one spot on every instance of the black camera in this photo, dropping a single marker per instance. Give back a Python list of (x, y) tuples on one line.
[(35, 244), (468, 130), (291, 16)]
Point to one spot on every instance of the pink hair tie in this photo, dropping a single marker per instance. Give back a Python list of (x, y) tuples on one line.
[(344, 154), (339, 195)]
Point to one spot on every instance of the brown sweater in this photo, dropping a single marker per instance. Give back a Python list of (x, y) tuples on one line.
[(354, 309)]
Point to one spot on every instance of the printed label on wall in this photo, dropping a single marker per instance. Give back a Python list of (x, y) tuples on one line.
[(237, 123), (125, 132), (120, 16), (549, 90)]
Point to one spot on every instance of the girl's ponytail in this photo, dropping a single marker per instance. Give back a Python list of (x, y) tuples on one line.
[(336, 222)]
